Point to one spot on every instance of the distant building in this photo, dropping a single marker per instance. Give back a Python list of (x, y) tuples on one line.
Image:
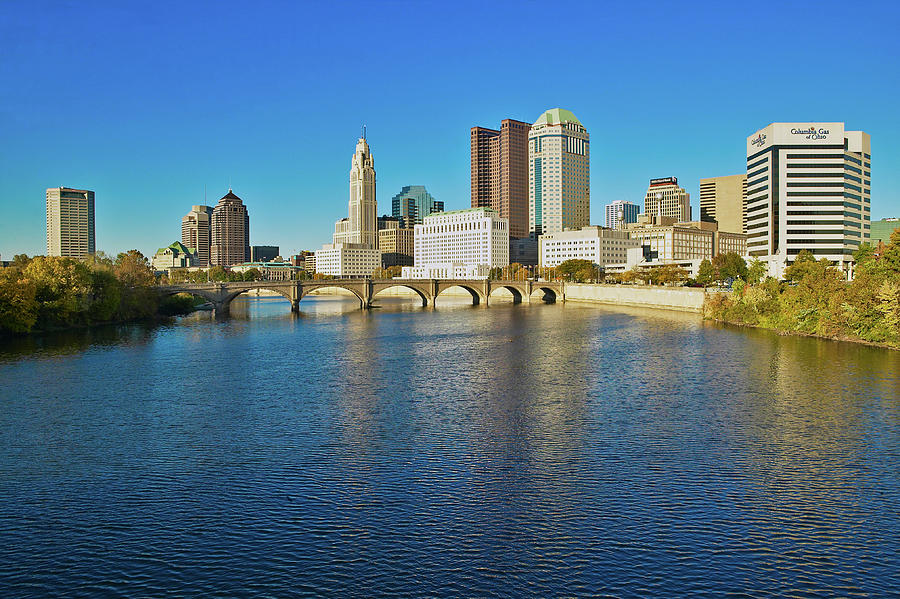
[(230, 232), (309, 264), (621, 212), (70, 222), (354, 248), (665, 199), (359, 228), (347, 260), (559, 194), (499, 172), (413, 204), (599, 245), (395, 243), (882, 229), (463, 244), (264, 253), (524, 251), (196, 232), (724, 200), (176, 255), (669, 240)]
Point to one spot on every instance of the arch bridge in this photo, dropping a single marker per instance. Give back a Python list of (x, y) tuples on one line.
[(428, 290)]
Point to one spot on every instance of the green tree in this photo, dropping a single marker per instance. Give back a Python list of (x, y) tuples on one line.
[(756, 271), (576, 270), (217, 274), (139, 299), (18, 306), (62, 289), (706, 274), (890, 257)]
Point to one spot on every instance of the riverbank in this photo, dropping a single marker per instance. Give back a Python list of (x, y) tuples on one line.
[(681, 299)]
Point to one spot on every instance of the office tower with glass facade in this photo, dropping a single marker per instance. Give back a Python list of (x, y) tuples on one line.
[(413, 204), (620, 213), (230, 226), (881, 230), (196, 232), (499, 172), (558, 173), (70, 222), (808, 188), (723, 200)]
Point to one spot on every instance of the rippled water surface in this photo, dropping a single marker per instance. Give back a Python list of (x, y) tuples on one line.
[(541, 450)]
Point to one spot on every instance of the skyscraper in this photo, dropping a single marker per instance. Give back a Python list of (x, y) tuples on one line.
[(723, 200), (665, 199), (196, 232), (414, 203), (230, 225), (499, 163), (70, 222), (620, 213), (808, 188), (353, 251), (362, 212), (559, 194)]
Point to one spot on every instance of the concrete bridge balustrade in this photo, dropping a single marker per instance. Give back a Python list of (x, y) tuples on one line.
[(428, 290)]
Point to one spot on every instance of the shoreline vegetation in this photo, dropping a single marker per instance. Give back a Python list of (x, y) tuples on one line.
[(45, 294), (815, 300)]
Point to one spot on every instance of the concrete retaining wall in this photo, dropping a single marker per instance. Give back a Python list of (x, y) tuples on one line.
[(683, 299)]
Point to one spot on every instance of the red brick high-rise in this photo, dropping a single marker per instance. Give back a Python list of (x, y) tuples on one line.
[(500, 172)]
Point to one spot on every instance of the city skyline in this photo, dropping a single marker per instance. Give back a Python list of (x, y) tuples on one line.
[(187, 137)]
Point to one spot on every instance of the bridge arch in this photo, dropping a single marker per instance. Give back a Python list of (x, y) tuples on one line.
[(352, 288), (517, 293), (476, 294), (233, 293), (548, 294), (424, 294)]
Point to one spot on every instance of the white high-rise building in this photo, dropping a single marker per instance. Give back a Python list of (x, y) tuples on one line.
[(559, 194), (620, 213), (808, 188), (353, 251), (70, 222), (461, 244)]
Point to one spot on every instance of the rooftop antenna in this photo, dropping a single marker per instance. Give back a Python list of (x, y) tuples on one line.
[(364, 131)]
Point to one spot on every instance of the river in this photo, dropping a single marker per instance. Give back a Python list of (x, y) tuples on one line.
[(514, 450)]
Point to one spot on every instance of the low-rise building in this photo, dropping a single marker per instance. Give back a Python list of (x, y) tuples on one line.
[(176, 255), (347, 260), (460, 244), (309, 264), (599, 245)]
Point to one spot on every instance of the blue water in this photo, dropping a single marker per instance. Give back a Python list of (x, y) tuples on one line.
[(542, 450)]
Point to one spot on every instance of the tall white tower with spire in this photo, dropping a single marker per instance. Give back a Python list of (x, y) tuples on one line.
[(361, 227)]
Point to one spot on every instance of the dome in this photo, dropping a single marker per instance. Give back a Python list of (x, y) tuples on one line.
[(555, 116)]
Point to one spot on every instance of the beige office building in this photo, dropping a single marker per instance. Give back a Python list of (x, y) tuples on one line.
[(70, 222), (559, 195), (196, 232), (396, 244), (723, 200), (664, 199)]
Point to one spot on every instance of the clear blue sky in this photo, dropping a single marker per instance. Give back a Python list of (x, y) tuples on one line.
[(150, 103)]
